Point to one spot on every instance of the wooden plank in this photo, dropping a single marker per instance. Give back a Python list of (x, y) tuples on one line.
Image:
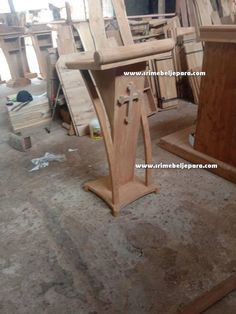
[(208, 299), (85, 36), (122, 20), (205, 10), (76, 95), (167, 84), (65, 44), (215, 18), (178, 144), (161, 6), (225, 7), (74, 89), (192, 14), (194, 55), (96, 22), (184, 15)]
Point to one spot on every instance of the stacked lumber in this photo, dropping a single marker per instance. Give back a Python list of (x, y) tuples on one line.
[(205, 12), (36, 113), (163, 88), (190, 56)]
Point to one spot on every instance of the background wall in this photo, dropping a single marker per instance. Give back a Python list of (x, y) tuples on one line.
[(136, 7)]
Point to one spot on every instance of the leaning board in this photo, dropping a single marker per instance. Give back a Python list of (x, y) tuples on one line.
[(76, 94)]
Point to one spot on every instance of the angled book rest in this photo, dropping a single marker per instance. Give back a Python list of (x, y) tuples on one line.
[(121, 112)]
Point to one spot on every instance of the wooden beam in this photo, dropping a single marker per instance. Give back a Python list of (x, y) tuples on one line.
[(122, 20), (11, 5), (209, 298), (161, 6)]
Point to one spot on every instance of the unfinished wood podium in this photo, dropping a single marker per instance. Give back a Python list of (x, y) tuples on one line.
[(12, 43), (215, 136), (216, 125), (119, 104)]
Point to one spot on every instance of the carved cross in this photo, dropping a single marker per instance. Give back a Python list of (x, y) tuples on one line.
[(129, 100)]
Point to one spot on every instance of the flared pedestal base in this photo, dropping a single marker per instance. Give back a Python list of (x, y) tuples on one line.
[(128, 192)]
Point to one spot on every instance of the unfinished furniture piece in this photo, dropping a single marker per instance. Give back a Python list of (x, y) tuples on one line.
[(41, 36), (215, 138), (216, 125), (12, 44), (118, 102)]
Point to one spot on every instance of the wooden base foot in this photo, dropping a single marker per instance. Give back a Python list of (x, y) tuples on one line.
[(178, 144), (18, 82), (115, 213), (128, 192)]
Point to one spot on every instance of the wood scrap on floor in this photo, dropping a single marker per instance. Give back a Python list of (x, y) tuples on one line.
[(208, 299)]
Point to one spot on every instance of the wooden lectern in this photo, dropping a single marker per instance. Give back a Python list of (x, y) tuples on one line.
[(216, 126), (118, 101), (215, 137)]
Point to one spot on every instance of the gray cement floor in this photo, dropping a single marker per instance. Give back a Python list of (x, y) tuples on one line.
[(62, 252)]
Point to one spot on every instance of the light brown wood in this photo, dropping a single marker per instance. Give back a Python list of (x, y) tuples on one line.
[(128, 39), (119, 104), (42, 41), (184, 15), (134, 51), (36, 113), (74, 89), (220, 34), (194, 55), (166, 84), (76, 95), (208, 299), (65, 42), (122, 20), (128, 192), (96, 23), (12, 43), (85, 36), (178, 144), (215, 18), (216, 127), (205, 10)]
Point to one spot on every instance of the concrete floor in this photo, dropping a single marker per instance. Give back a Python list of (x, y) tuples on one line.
[(61, 251)]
